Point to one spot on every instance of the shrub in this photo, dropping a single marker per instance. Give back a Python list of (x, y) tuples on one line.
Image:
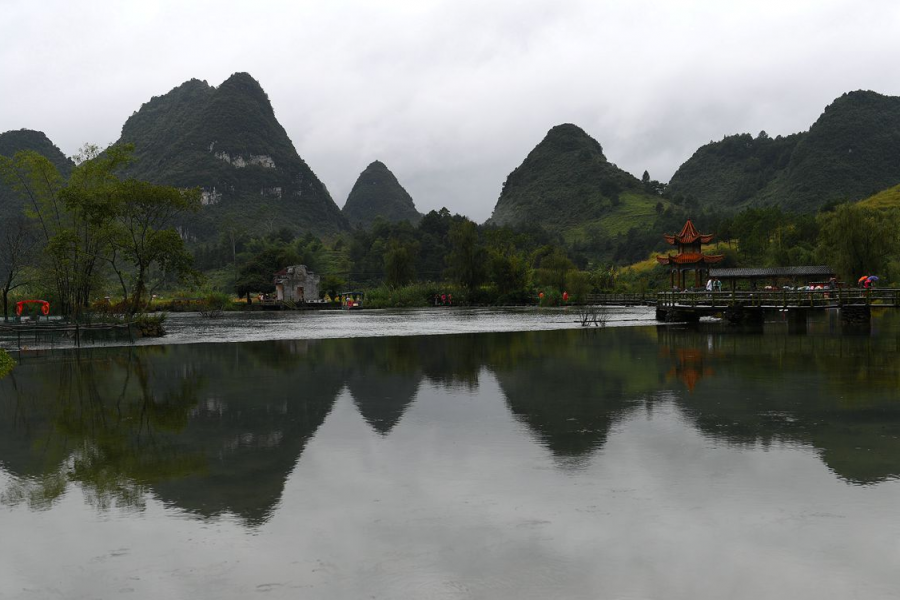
[(214, 304), (6, 363), (551, 298), (149, 325), (383, 296)]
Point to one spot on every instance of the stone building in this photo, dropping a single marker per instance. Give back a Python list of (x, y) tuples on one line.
[(296, 284)]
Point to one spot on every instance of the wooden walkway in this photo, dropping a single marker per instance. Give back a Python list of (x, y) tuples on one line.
[(751, 307), (781, 299), (776, 299), (623, 299)]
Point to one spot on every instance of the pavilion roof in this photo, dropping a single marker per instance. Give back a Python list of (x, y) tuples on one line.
[(689, 235), (688, 258)]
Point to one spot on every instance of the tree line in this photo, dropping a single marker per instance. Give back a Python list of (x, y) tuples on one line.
[(492, 264)]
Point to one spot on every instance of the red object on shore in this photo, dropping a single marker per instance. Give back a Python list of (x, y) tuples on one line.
[(45, 306)]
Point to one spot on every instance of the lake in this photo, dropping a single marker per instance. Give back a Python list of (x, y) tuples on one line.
[(516, 456)]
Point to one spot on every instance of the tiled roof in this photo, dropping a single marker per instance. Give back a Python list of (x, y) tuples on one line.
[(748, 273), (689, 235), (689, 258)]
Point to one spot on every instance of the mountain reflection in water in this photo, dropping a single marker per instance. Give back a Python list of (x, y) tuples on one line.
[(216, 429)]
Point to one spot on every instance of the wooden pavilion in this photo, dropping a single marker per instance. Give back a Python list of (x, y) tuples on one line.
[(690, 255)]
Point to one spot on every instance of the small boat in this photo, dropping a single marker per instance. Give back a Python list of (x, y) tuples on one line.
[(351, 300)]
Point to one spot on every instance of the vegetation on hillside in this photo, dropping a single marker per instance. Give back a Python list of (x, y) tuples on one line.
[(849, 153), (888, 199), (566, 182), (733, 171)]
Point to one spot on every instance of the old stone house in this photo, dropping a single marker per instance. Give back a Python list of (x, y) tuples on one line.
[(296, 284)]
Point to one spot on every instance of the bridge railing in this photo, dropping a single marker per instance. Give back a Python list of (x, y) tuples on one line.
[(780, 298), (621, 299)]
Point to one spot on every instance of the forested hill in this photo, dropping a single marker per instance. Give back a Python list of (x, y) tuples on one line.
[(849, 153), (377, 193), (566, 185), (227, 141), (27, 139)]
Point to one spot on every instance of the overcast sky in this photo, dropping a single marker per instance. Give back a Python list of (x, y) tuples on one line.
[(452, 95)]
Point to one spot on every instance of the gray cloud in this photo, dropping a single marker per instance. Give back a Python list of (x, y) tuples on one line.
[(452, 94)]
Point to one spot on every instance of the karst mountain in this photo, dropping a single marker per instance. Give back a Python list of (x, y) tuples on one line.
[(227, 141), (567, 185), (378, 194)]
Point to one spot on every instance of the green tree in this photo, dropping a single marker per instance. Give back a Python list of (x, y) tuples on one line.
[(466, 262), (145, 239), (856, 241), (578, 284), (508, 271), (400, 263), (38, 182), (95, 219), (258, 272), (554, 269), (81, 241), (17, 244)]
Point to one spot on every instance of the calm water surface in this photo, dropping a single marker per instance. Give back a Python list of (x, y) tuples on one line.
[(624, 462), (190, 328)]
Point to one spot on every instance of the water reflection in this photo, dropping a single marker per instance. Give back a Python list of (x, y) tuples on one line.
[(111, 427), (217, 429), (209, 429), (838, 394), (571, 389)]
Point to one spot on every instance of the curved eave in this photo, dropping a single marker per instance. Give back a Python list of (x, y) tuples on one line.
[(690, 259)]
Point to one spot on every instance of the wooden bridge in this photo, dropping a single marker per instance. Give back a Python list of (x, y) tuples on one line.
[(751, 306), (781, 299), (622, 299)]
